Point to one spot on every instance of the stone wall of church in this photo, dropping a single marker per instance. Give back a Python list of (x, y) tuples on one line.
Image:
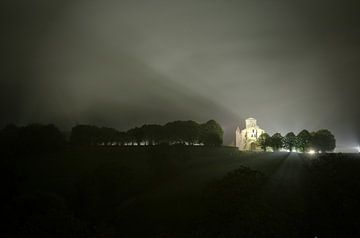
[(246, 138)]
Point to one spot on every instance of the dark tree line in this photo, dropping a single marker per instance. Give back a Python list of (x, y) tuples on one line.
[(39, 138), (31, 139), (322, 140), (176, 132)]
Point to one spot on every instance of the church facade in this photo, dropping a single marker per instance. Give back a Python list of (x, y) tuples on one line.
[(246, 139)]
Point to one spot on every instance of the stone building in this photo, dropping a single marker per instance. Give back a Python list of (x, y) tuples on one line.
[(246, 139)]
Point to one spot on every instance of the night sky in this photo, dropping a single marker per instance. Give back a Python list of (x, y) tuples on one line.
[(290, 64)]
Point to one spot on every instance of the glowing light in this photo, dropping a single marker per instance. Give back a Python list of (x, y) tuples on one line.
[(311, 152), (358, 149)]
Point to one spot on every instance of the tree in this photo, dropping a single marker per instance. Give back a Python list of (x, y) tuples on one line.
[(38, 138), (323, 140), (264, 141), (9, 137), (121, 138), (158, 134), (276, 141), (108, 136), (152, 134), (289, 141), (190, 132), (303, 140), (173, 132), (85, 135), (211, 133), (136, 135)]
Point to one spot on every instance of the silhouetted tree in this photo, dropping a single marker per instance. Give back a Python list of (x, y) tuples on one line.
[(158, 134), (276, 141), (152, 134), (173, 132), (211, 133), (108, 136), (136, 135), (37, 138), (85, 135), (182, 132), (289, 141), (323, 140), (190, 132), (9, 137), (121, 138), (264, 141), (128, 138), (303, 140)]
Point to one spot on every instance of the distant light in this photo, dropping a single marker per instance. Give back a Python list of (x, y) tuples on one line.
[(358, 149), (311, 152)]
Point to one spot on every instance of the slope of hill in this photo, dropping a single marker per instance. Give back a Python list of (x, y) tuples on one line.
[(177, 191)]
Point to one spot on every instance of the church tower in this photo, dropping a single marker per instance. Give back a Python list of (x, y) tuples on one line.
[(246, 139)]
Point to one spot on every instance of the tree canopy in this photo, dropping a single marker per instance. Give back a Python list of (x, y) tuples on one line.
[(324, 141), (276, 141), (31, 139), (211, 133), (303, 140), (264, 141), (289, 141), (176, 132)]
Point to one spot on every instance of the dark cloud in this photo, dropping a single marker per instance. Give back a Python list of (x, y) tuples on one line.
[(290, 64)]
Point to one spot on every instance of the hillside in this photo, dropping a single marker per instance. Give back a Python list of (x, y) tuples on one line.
[(169, 191)]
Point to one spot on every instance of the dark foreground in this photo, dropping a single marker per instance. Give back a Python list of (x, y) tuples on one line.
[(180, 192)]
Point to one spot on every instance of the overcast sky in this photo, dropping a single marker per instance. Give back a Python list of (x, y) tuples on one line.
[(290, 64)]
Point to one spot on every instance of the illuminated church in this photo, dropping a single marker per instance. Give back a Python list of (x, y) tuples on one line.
[(246, 139)]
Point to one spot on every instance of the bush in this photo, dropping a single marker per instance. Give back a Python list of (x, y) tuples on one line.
[(42, 214), (235, 207)]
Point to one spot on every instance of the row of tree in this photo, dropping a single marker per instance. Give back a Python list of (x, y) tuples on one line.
[(176, 132), (322, 140), (38, 138)]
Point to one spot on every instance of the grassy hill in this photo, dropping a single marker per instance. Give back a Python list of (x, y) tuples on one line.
[(164, 191)]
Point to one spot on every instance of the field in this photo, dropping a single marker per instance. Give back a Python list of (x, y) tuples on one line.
[(185, 192)]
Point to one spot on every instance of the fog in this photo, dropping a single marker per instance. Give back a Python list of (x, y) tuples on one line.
[(291, 65)]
